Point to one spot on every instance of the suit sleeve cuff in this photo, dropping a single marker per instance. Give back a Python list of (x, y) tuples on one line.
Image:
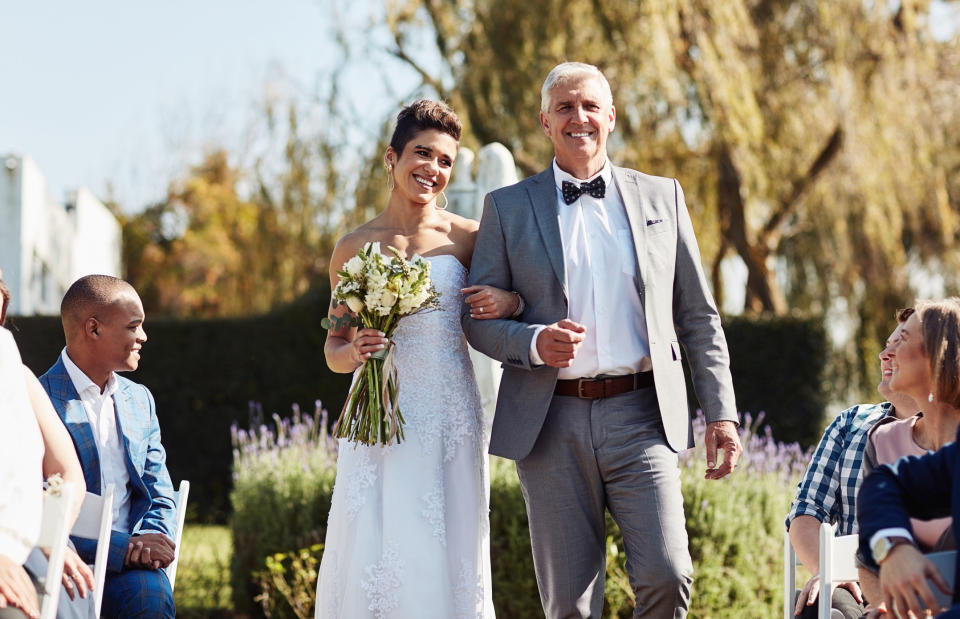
[(534, 355), (118, 550)]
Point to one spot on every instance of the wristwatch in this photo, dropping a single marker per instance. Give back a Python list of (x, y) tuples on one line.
[(883, 545)]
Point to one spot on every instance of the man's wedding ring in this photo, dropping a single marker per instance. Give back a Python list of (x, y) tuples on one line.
[(480, 310)]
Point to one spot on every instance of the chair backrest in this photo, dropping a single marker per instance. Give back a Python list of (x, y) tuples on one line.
[(789, 576), (183, 494), (838, 563), (946, 562), (95, 522), (54, 530)]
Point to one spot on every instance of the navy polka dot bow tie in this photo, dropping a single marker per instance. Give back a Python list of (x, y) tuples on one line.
[(572, 191)]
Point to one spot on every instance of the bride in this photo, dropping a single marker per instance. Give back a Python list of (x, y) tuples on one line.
[(408, 531)]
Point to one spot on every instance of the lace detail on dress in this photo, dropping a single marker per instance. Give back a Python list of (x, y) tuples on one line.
[(433, 509), (382, 582), (362, 477), (430, 351), (469, 595), (336, 593)]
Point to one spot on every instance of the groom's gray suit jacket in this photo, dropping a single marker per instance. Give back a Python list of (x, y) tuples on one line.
[(519, 248)]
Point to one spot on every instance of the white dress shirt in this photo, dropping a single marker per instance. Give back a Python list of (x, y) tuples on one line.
[(21, 458), (603, 292), (103, 420)]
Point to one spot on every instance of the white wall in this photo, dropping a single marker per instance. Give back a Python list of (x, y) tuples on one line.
[(10, 221), (46, 245), (99, 240)]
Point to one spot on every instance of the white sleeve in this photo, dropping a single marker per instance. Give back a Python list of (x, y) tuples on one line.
[(21, 458), (534, 355)]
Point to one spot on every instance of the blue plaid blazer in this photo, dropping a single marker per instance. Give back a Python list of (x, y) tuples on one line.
[(152, 506)]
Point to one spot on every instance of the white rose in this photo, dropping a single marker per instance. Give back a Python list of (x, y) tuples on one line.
[(354, 266), (387, 299), (406, 304), (355, 304)]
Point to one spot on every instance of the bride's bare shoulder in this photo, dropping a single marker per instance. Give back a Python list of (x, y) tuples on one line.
[(462, 225), (348, 245)]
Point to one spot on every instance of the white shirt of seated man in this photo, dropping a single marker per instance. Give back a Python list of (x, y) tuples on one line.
[(103, 419)]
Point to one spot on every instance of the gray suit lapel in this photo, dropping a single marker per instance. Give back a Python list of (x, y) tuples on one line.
[(543, 196), (633, 202)]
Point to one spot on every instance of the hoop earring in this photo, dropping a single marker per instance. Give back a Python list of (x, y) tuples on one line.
[(446, 202), (389, 168)]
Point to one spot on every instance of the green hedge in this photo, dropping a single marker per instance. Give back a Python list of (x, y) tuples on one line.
[(203, 374), (735, 528), (779, 368)]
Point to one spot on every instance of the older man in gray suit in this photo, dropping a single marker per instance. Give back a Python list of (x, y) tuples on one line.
[(592, 402)]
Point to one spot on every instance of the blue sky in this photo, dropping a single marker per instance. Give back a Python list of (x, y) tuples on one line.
[(132, 91)]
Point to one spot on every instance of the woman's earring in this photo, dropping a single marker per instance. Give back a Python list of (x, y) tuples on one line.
[(930, 397), (389, 167), (446, 202)]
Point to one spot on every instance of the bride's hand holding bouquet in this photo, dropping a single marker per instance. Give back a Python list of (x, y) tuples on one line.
[(378, 291)]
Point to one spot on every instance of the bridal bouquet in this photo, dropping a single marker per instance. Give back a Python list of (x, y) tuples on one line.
[(379, 291)]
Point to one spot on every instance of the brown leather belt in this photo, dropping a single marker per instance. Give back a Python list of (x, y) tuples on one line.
[(596, 388)]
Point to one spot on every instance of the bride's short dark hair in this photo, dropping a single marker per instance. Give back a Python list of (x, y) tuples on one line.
[(421, 115)]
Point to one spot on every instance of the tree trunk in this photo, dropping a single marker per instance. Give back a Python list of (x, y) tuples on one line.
[(763, 291)]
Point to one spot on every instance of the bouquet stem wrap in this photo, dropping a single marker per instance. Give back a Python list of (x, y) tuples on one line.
[(379, 291), (371, 414)]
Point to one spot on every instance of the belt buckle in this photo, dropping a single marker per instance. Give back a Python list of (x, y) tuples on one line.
[(580, 389)]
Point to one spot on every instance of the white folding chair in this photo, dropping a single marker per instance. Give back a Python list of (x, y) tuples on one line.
[(837, 564), (95, 522), (182, 495), (54, 529), (789, 576)]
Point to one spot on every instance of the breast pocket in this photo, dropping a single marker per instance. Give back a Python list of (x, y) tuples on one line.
[(628, 255), (656, 226)]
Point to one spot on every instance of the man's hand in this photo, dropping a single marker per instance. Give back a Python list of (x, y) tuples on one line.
[(77, 575), (903, 579), (722, 435), (875, 613), (811, 591), (150, 551), (16, 588), (557, 344)]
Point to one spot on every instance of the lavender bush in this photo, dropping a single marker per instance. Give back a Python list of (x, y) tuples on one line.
[(283, 476), (736, 524)]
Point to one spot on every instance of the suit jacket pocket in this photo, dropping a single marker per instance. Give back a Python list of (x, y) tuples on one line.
[(656, 226)]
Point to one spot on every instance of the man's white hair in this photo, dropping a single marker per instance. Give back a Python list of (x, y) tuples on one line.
[(569, 71)]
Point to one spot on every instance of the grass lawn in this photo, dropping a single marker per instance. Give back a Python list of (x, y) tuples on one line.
[(203, 576)]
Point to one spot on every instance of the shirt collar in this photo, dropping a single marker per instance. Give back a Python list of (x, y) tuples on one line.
[(559, 175), (82, 382)]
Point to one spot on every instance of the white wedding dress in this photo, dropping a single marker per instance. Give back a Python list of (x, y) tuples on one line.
[(409, 532)]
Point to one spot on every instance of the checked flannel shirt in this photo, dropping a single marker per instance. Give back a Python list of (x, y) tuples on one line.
[(828, 491)]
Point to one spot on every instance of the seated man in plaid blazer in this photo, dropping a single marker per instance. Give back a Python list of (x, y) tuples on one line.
[(113, 424)]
